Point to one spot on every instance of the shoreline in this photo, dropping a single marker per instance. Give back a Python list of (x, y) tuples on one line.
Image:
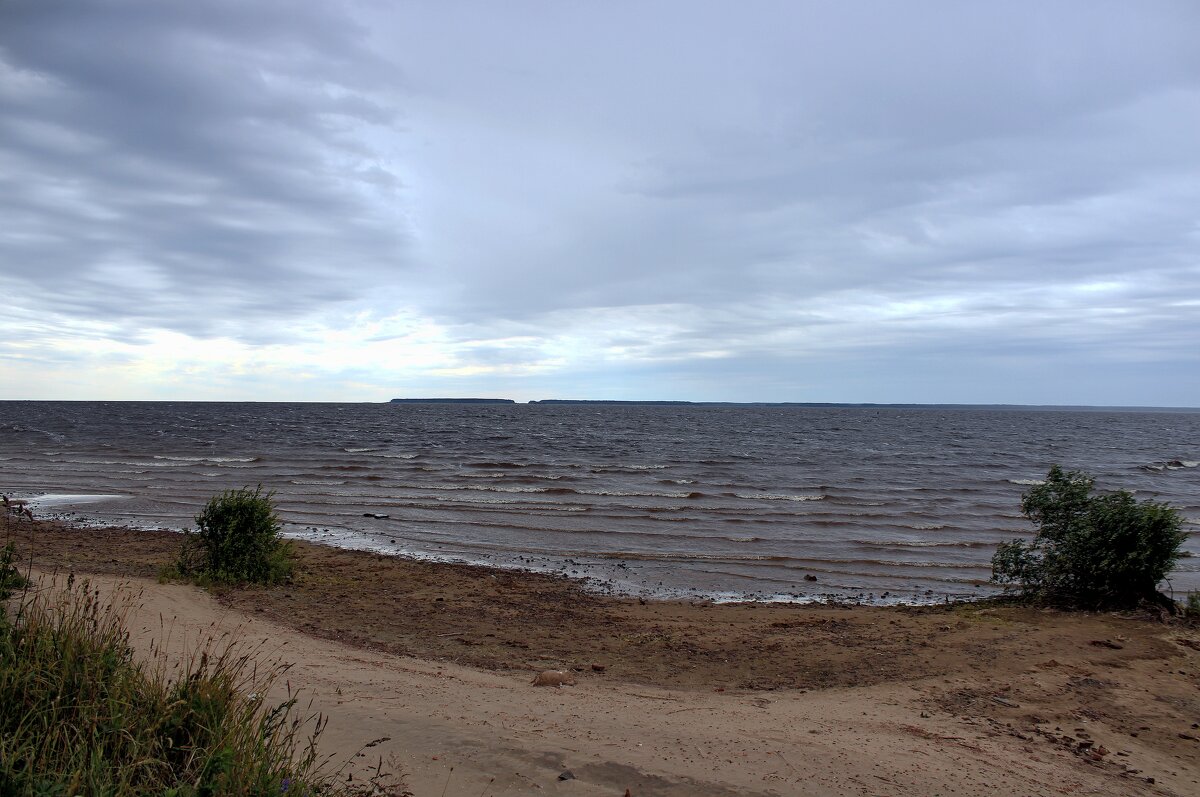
[(521, 619), (615, 581), (612, 585), (686, 697)]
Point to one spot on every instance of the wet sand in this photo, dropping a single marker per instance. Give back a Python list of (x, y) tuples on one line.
[(679, 698)]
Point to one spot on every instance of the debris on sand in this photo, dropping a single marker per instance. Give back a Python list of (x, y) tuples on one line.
[(554, 678)]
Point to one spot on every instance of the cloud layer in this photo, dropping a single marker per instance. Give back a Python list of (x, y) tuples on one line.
[(798, 201)]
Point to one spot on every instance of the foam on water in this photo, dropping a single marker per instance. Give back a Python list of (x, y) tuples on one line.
[(56, 500)]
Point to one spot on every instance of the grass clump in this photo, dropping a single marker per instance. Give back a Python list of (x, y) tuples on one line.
[(1091, 551), (79, 715), (237, 539), (11, 579)]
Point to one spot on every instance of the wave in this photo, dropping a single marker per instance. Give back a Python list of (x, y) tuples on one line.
[(886, 544), (483, 488), (1170, 464), (206, 459), (102, 462), (772, 560), (775, 497), (689, 556), (489, 488), (620, 468), (634, 494)]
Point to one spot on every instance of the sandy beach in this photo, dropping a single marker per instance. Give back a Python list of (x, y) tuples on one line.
[(678, 698)]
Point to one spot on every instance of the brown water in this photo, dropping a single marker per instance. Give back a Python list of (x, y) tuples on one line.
[(877, 503)]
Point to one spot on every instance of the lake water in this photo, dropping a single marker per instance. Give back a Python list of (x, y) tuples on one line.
[(879, 504)]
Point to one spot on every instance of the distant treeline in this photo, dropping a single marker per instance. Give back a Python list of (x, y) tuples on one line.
[(813, 404), (451, 401)]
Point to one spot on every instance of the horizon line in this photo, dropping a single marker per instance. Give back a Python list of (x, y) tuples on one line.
[(636, 402)]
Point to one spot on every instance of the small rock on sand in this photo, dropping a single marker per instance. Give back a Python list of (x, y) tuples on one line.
[(554, 678)]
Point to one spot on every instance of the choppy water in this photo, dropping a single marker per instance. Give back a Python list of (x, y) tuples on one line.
[(714, 500)]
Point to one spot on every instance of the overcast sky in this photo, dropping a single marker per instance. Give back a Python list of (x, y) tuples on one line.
[(752, 201)]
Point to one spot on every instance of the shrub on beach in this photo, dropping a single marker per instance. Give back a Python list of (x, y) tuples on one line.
[(237, 539), (1090, 551)]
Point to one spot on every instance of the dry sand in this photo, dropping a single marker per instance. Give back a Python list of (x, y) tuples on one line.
[(694, 699)]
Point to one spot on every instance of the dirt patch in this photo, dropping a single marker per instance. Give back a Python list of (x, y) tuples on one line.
[(501, 619)]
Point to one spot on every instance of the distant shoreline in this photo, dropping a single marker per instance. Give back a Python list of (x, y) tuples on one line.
[(451, 401), (801, 404)]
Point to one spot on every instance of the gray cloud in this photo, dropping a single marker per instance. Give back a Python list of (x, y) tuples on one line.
[(187, 165)]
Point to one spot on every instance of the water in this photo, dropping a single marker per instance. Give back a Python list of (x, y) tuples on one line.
[(723, 501)]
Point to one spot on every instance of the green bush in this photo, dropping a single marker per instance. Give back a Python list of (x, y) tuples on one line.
[(1090, 551), (237, 540)]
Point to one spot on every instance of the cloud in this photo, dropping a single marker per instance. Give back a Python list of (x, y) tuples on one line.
[(190, 166)]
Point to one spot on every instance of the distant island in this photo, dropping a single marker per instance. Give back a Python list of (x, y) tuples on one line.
[(804, 404), (451, 401), (622, 402)]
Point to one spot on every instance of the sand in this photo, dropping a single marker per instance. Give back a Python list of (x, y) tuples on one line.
[(692, 699)]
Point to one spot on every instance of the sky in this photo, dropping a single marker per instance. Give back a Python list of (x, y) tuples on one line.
[(933, 202)]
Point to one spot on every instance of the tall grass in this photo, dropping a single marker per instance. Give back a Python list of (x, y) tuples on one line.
[(10, 575), (79, 714)]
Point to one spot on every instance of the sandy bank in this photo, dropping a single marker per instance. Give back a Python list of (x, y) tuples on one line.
[(964, 700)]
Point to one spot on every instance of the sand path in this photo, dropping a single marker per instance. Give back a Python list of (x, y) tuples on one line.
[(460, 731)]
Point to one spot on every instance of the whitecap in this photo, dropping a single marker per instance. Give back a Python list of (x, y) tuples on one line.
[(778, 497), (70, 499)]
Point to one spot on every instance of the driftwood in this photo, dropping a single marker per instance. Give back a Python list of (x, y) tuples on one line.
[(18, 507)]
